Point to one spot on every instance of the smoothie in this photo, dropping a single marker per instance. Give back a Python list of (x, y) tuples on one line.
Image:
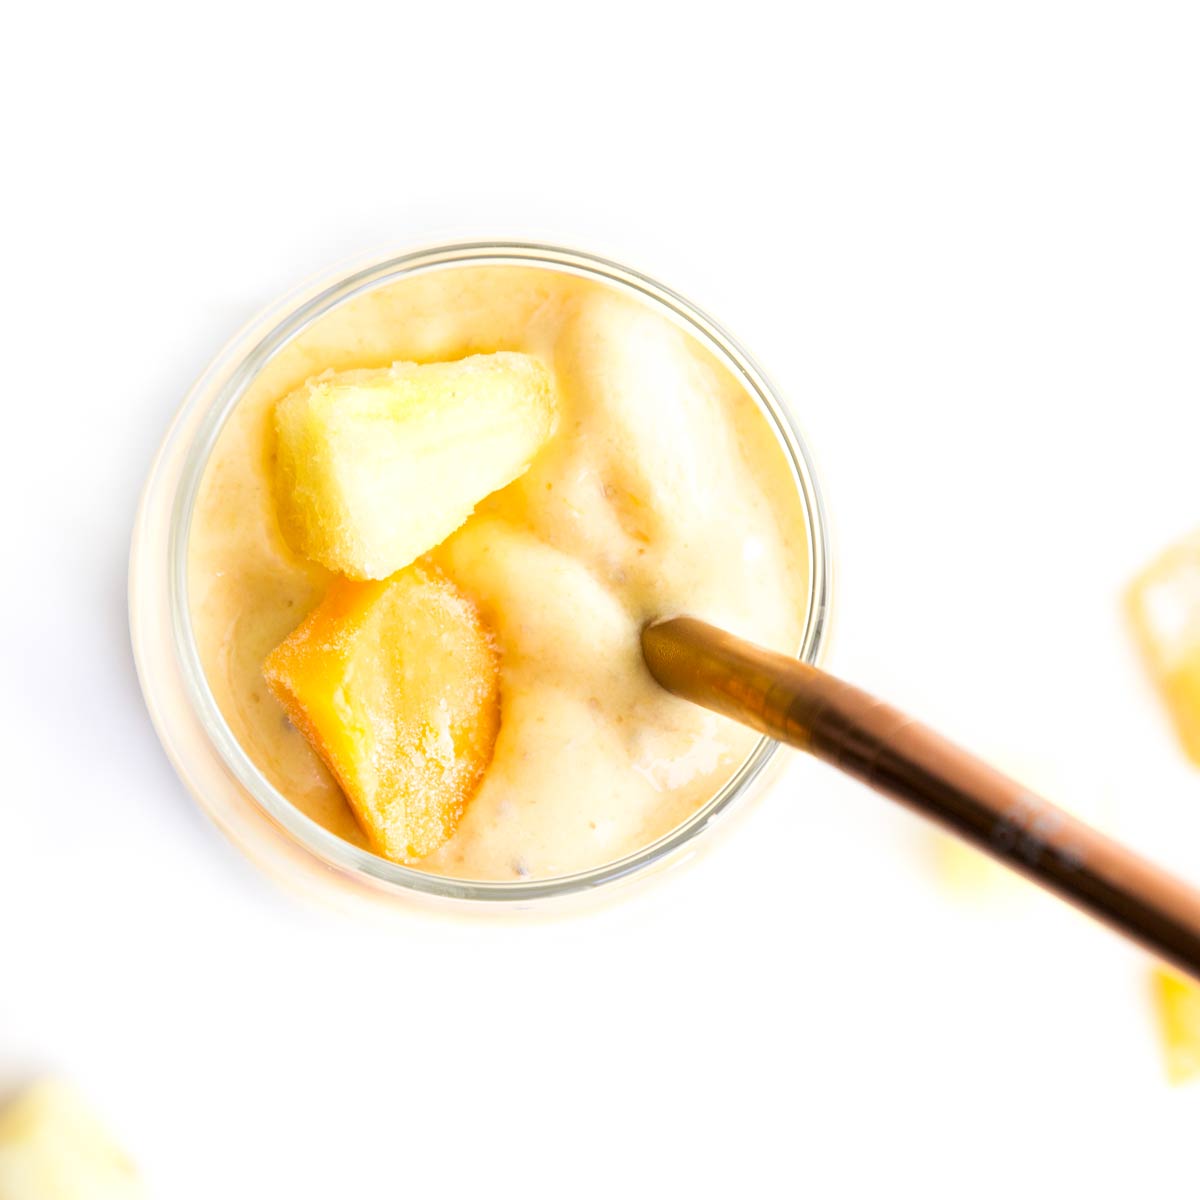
[(662, 490)]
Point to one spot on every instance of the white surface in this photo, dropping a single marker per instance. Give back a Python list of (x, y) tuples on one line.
[(965, 240)]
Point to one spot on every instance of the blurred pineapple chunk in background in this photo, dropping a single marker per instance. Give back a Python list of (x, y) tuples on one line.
[(1177, 1006), (52, 1147), (1164, 612), (396, 686), (375, 468), (970, 874), (1164, 609)]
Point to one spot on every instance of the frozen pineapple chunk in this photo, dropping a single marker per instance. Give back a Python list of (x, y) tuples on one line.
[(53, 1148), (1164, 605), (1177, 1005), (375, 468), (396, 685)]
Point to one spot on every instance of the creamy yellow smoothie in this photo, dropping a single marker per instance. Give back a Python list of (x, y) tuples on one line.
[(663, 490)]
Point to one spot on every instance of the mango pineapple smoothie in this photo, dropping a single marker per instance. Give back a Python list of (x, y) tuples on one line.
[(426, 541)]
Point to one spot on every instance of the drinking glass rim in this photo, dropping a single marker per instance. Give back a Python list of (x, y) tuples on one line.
[(217, 397)]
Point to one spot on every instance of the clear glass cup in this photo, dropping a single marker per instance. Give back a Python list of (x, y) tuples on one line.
[(283, 841)]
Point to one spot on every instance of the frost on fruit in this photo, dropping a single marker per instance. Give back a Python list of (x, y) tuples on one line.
[(396, 685), (1164, 606), (1177, 1006), (376, 468), (52, 1147)]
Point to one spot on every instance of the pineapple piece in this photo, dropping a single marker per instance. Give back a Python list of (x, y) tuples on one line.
[(1077, 788), (376, 468), (396, 686), (1164, 607), (965, 871), (1177, 1004), (53, 1148)]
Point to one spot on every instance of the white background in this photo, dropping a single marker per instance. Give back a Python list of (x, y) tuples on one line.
[(965, 240)]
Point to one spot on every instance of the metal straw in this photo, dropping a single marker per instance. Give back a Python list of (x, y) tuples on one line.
[(813, 711)]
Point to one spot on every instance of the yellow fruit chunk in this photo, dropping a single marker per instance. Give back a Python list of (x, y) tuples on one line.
[(1078, 788), (1164, 606), (1177, 1002), (965, 871), (375, 468), (396, 685), (52, 1147)]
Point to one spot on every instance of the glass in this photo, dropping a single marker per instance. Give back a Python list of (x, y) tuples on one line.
[(283, 841)]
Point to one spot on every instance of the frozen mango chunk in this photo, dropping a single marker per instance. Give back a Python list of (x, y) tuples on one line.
[(1177, 1005), (1164, 607), (395, 683), (376, 468), (52, 1147)]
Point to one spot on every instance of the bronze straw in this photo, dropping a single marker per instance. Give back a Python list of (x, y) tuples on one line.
[(811, 710)]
